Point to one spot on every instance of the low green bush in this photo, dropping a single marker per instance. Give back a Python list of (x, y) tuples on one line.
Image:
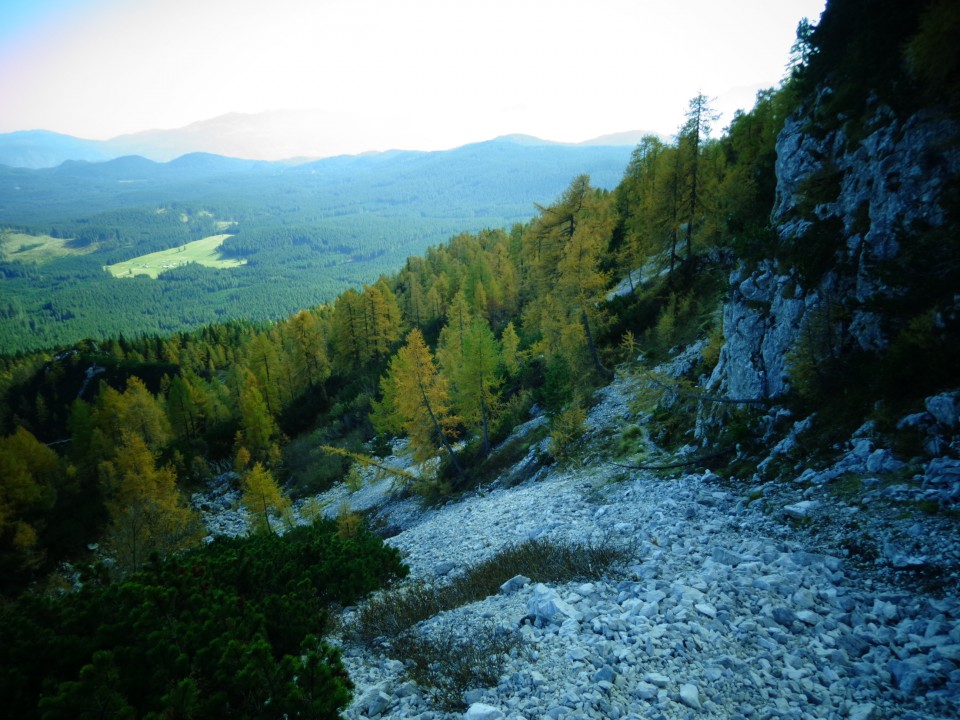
[(446, 667), (229, 630)]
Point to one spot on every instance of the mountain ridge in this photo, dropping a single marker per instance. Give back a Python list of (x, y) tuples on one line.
[(265, 137)]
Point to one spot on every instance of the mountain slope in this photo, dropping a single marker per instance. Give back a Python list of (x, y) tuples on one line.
[(726, 603)]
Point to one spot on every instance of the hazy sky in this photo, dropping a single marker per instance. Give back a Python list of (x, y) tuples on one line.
[(418, 74)]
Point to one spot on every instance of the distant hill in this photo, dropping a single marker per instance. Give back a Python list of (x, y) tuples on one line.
[(43, 149), (268, 136)]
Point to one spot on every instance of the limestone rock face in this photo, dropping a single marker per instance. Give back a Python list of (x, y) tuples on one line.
[(865, 197)]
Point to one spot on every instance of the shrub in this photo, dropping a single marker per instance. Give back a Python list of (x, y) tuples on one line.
[(391, 613), (566, 428), (230, 629), (446, 666)]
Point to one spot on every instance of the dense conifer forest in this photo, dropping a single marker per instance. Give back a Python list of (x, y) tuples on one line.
[(103, 440), (304, 232)]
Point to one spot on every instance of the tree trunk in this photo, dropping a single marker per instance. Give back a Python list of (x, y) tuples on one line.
[(593, 346), (437, 428)]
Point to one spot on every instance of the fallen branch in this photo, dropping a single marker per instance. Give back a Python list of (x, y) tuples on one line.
[(671, 466), (367, 461), (709, 398)]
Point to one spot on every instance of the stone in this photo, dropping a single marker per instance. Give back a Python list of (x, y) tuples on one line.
[(726, 557), (945, 409), (546, 605), (471, 697), (443, 568), (706, 609), (514, 584), (902, 559), (950, 652), (482, 711), (784, 616), (645, 691), (606, 673), (908, 675), (376, 702), (690, 696), (883, 461), (658, 679), (863, 711), (802, 509)]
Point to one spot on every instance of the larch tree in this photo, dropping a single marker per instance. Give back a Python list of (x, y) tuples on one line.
[(450, 347), (510, 342), (568, 267), (693, 133), (147, 512), (639, 197), (347, 332), (416, 401), (29, 471), (263, 498), (184, 407), (304, 335), (381, 320), (262, 358), (256, 422), (476, 378), (141, 412)]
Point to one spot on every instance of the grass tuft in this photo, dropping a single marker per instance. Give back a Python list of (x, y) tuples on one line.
[(389, 614), (446, 666)]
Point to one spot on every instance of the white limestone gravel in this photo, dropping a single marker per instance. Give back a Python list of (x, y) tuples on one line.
[(725, 610)]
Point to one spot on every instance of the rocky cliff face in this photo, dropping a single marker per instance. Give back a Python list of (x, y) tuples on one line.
[(846, 211)]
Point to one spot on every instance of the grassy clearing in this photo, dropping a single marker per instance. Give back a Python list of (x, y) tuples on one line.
[(37, 248), (205, 252)]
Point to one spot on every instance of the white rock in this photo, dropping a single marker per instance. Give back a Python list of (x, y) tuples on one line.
[(514, 584), (546, 605), (645, 691), (863, 711), (802, 509), (658, 679), (482, 711), (706, 609), (690, 696)]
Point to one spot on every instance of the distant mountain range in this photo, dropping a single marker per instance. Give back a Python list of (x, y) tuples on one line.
[(271, 136)]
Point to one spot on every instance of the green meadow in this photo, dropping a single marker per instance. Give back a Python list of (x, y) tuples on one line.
[(205, 252), (37, 248)]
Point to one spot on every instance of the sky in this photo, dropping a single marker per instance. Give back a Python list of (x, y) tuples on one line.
[(379, 74)]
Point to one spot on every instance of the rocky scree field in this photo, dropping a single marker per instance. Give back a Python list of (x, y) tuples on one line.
[(692, 595)]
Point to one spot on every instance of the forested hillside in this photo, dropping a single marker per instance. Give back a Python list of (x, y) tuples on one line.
[(305, 232), (802, 265)]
